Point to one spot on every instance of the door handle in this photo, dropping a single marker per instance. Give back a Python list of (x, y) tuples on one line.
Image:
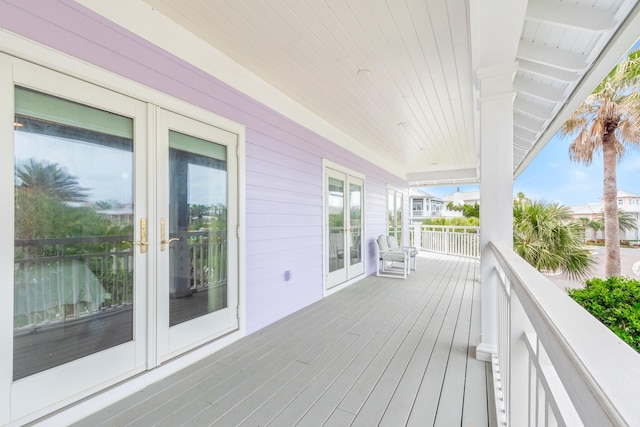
[(163, 230), (143, 242)]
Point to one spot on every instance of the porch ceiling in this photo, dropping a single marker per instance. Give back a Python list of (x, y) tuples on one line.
[(398, 77)]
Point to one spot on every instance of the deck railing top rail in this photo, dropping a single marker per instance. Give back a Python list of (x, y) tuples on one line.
[(599, 373), (451, 228)]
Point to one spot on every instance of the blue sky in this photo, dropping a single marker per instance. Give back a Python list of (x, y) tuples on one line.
[(552, 177)]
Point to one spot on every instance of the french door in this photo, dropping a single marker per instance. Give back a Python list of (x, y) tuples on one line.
[(124, 238), (197, 298), (79, 202), (344, 201)]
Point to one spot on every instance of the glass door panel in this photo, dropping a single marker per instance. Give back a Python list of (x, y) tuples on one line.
[(336, 224), (198, 227), (197, 210), (74, 207), (356, 200), (395, 207)]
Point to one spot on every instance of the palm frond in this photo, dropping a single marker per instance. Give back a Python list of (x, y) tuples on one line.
[(626, 221), (582, 148), (546, 237)]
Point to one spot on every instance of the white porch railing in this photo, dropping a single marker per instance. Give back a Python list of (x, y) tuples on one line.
[(555, 363), (451, 240)]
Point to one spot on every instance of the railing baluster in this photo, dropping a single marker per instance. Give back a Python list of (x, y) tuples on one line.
[(451, 240)]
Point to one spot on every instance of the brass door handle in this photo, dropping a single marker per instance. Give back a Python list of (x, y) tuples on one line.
[(143, 242), (164, 242)]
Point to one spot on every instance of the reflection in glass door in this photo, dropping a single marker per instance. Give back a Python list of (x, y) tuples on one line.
[(356, 264), (197, 228), (198, 283), (74, 270), (344, 228), (336, 228)]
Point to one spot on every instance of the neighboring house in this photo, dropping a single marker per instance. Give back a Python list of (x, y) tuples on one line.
[(460, 198), (118, 216), (424, 205), (627, 202), (305, 123)]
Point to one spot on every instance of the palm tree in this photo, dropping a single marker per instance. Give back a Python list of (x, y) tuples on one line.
[(593, 225), (51, 179), (608, 121), (547, 237)]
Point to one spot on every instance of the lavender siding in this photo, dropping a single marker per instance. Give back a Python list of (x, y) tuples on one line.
[(283, 159)]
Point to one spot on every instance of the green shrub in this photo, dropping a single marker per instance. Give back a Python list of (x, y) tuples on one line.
[(616, 303), (458, 221)]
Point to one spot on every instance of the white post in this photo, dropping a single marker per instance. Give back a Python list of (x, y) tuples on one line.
[(417, 236), (446, 240), (496, 187)]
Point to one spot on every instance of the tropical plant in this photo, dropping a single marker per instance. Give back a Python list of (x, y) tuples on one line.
[(455, 221), (591, 224), (468, 211), (626, 221), (608, 121), (545, 235), (616, 303)]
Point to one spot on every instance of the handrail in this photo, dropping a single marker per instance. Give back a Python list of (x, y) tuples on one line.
[(599, 373)]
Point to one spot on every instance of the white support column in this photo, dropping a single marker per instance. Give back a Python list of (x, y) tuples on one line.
[(496, 187)]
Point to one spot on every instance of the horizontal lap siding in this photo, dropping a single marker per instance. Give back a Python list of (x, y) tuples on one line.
[(283, 159)]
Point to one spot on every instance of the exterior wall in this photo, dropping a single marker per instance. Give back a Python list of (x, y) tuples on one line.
[(283, 159)]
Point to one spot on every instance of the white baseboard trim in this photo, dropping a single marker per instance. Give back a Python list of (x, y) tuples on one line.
[(485, 352)]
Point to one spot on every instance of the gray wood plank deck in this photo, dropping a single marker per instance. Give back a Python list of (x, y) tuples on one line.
[(384, 351)]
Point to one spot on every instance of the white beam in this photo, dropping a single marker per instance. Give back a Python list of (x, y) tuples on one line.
[(444, 176), (553, 57), (531, 109), (568, 15), (547, 71), (521, 143), (524, 133), (528, 122), (538, 90)]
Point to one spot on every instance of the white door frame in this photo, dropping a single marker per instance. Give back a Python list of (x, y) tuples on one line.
[(335, 283)]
